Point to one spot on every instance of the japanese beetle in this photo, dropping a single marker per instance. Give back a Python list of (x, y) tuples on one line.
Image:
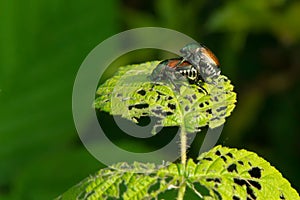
[(197, 63), (173, 69), (203, 60)]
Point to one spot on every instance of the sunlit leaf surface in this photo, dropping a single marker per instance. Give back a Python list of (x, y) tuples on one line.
[(221, 173)]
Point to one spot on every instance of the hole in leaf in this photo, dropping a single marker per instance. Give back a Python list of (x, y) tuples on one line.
[(241, 162), (221, 108), (255, 184), (249, 190), (214, 118), (230, 155), (282, 196), (232, 168), (201, 189), (159, 93), (239, 181), (222, 115), (154, 187), (216, 180), (157, 111), (139, 106), (168, 179), (171, 106), (217, 194), (255, 172), (186, 108), (168, 194), (236, 198), (143, 121), (218, 153), (122, 187), (224, 158), (162, 113), (142, 92), (158, 98), (170, 98), (207, 158), (168, 113)]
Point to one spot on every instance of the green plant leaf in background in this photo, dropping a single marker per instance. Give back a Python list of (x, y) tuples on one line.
[(131, 94), (42, 44), (221, 173)]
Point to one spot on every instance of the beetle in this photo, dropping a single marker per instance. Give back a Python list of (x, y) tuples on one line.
[(197, 63), (176, 71), (173, 69), (203, 59)]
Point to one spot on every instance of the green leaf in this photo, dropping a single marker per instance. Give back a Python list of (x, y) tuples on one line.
[(230, 172), (221, 173), (42, 45), (131, 94)]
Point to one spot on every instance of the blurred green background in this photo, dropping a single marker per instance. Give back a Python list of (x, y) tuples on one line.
[(42, 44)]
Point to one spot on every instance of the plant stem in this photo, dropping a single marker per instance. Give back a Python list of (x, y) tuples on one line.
[(183, 146), (181, 190)]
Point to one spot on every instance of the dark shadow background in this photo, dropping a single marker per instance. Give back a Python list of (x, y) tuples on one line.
[(42, 44)]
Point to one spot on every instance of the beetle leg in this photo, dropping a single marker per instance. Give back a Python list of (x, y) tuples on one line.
[(202, 89)]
